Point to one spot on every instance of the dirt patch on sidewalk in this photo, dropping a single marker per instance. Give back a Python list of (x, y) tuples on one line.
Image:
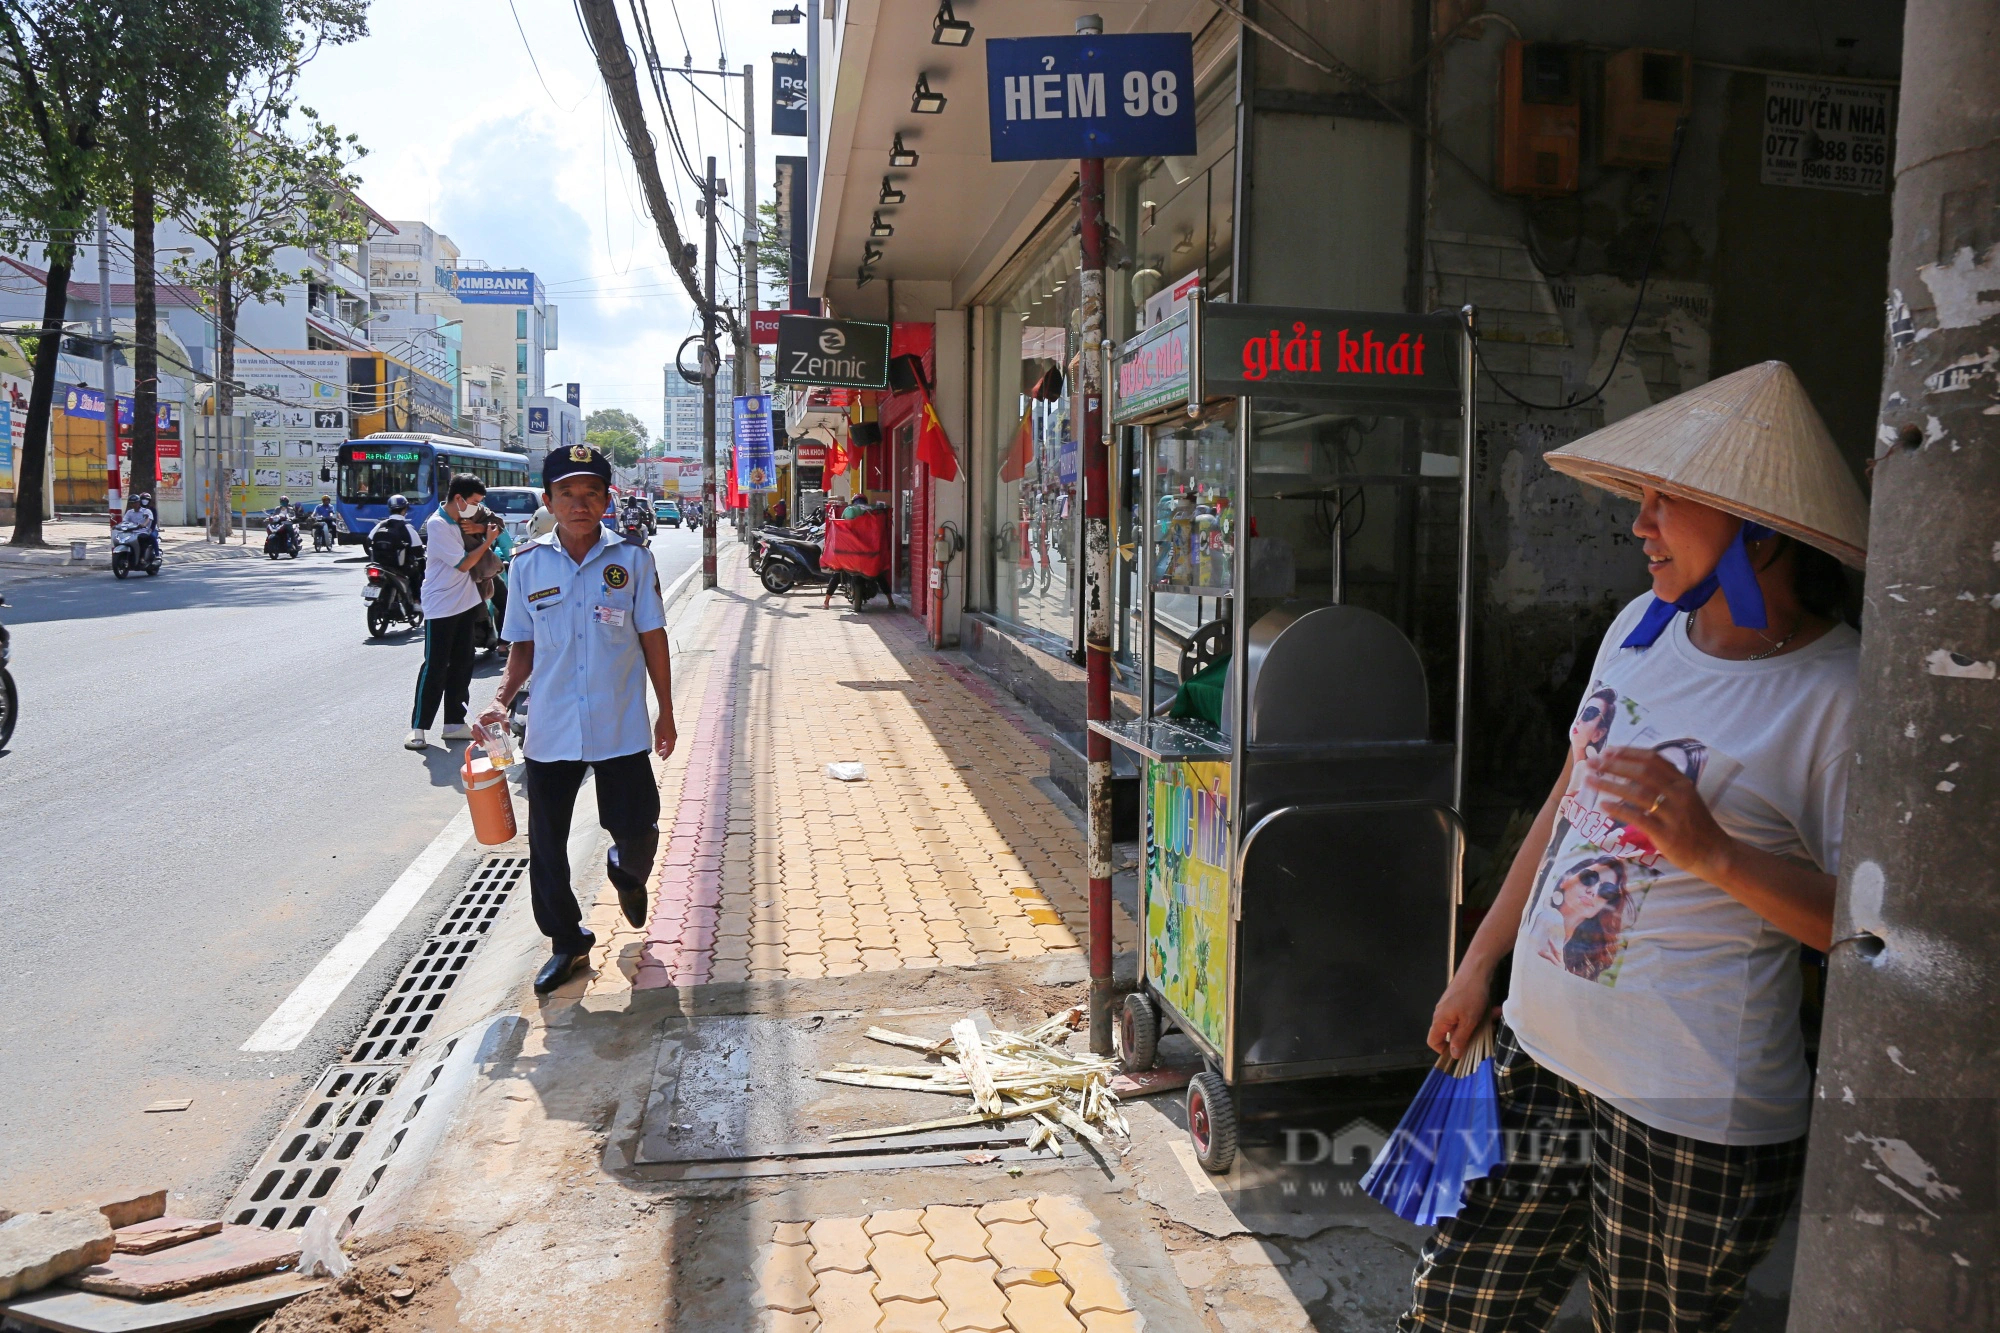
[(402, 1281)]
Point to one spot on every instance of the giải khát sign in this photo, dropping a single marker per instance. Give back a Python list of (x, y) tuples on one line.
[(1252, 351)]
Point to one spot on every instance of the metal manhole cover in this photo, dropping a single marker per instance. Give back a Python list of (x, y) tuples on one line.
[(741, 1087)]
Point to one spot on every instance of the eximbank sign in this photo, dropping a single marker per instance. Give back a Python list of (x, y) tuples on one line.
[(494, 286)]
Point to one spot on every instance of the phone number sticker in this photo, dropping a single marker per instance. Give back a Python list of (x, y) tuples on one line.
[(1826, 135)]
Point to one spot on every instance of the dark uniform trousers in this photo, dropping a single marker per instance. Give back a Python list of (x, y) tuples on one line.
[(628, 808)]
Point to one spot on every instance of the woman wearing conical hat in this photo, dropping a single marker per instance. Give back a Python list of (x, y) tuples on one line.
[(1651, 1030)]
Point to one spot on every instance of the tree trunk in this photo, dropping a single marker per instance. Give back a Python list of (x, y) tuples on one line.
[(146, 352), (225, 338), (32, 467), (1898, 1228)]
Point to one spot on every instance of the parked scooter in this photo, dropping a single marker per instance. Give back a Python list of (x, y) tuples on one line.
[(281, 535), (130, 550), (392, 593), (792, 562), (9, 703)]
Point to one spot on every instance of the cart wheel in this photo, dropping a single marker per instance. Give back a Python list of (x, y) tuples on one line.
[(1138, 1033), (1211, 1118)]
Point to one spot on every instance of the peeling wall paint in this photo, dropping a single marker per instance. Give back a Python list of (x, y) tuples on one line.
[(1967, 290)]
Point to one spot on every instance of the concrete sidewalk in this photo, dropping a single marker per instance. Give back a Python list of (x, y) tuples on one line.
[(646, 1149), (178, 546)]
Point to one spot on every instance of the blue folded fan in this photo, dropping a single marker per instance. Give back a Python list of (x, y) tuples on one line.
[(1449, 1136)]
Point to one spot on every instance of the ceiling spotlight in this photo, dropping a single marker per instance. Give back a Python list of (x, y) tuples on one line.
[(871, 254), (923, 101), (947, 29), (863, 276), (900, 156), (880, 228), (890, 194), (792, 15)]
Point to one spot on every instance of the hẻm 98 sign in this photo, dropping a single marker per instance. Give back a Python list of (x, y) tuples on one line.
[(1090, 96)]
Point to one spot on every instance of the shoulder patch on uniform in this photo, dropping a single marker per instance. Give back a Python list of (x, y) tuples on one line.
[(616, 576)]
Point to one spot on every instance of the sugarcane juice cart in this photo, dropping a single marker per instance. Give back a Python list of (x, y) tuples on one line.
[(1304, 622)]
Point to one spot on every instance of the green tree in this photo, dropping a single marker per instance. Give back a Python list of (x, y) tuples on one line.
[(620, 446), (177, 148), (289, 184), (612, 418), (774, 254)]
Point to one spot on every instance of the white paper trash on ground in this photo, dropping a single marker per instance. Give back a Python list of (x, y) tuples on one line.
[(847, 770)]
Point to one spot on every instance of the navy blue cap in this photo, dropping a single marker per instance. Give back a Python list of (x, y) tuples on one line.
[(576, 460)]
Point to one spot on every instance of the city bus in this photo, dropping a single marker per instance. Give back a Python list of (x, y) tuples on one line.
[(416, 467)]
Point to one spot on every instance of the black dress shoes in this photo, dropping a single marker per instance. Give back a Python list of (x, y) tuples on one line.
[(556, 971), (631, 889)]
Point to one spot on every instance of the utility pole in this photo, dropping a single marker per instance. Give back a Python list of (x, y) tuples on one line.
[(1897, 1226), (112, 498), (747, 358), (709, 363), (812, 139), (1096, 583)]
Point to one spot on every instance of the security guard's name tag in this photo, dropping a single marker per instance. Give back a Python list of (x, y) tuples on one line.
[(608, 615), (538, 597)]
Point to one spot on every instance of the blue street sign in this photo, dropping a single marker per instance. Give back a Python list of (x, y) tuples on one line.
[(1090, 96), (756, 470)]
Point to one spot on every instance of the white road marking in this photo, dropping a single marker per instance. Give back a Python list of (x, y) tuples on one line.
[(304, 1007)]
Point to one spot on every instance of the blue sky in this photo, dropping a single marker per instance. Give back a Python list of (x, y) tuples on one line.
[(529, 172)]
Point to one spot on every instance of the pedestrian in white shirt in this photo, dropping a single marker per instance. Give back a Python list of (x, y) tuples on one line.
[(585, 617), (1651, 1073), (451, 602)]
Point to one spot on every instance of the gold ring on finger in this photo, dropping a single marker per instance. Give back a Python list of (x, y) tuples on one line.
[(1654, 808)]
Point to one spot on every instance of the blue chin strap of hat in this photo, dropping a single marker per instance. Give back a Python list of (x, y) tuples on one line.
[(1733, 575)]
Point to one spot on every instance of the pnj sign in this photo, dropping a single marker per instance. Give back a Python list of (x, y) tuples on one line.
[(1250, 351), (1090, 96), (494, 286)]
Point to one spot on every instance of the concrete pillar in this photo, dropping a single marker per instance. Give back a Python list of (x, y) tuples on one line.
[(1900, 1228)]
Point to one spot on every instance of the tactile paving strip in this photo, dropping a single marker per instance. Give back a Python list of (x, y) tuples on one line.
[(318, 1142), (397, 1027)]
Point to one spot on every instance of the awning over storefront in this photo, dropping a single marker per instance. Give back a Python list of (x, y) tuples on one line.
[(961, 215)]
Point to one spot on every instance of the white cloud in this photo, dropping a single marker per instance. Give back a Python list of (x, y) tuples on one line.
[(463, 134)]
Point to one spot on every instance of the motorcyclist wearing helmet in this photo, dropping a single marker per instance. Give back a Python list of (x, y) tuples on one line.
[(141, 516), (391, 540)]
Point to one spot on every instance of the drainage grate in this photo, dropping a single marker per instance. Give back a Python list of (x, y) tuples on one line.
[(317, 1143), (322, 1138), (397, 1027)]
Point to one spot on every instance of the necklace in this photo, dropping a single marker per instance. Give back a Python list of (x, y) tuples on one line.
[(1775, 647)]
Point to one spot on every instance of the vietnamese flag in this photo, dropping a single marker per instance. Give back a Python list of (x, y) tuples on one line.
[(934, 449), (1015, 465)]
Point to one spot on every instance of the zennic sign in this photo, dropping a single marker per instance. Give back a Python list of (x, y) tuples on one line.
[(493, 286), (1090, 96), (839, 353)]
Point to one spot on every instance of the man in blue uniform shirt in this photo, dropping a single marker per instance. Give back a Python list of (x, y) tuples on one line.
[(585, 617)]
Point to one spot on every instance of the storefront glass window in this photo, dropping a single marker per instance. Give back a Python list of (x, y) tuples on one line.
[(1037, 510)]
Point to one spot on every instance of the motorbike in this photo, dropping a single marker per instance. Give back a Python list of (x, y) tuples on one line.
[(129, 553), (391, 594), (792, 562), (771, 532), (633, 529), (281, 535), (323, 534), (9, 703)]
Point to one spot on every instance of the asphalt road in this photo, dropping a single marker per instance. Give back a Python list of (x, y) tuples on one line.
[(206, 791)]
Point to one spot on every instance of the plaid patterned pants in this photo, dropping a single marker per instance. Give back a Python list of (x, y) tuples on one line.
[(1667, 1227)]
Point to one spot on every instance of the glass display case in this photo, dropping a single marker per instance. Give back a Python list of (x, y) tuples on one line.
[(1194, 507)]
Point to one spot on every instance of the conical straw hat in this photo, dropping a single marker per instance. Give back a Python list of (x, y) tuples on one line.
[(1750, 443)]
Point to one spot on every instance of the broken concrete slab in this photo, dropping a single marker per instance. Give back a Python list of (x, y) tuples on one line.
[(139, 1208), (38, 1248), (84, 1312), (161, 1233), (235, 1252)]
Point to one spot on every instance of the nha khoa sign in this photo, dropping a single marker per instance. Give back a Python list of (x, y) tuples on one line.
[(1283, 352)]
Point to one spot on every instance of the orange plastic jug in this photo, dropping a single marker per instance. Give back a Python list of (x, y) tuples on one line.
[(486, 795)]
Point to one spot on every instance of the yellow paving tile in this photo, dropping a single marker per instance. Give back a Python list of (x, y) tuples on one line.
[(784, 1279), (1018, 1245), (784, 1321), (846, 1303), (1007, 1210), (1036, 1309), (973, 1301), (902, 1270), (955, 1233), (1065, 1220), (791, 1233), (1113, 1321), (1093, 1282), (899, 1316), (840, 1243), (896, 1222)]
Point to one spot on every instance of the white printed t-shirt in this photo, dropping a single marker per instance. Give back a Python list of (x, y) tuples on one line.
[(1634, 980)]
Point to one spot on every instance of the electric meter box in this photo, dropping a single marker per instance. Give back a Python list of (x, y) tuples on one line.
[(1646, 93), (1540, 119)]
